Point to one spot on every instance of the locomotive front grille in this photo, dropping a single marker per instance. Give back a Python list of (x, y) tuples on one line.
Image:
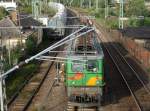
[(84, 94), (84, 98)]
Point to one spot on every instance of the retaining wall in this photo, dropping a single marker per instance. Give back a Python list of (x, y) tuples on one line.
[(135, 49)]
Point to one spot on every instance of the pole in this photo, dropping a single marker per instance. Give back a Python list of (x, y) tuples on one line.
[(121, 15), (80, 3), (2, 82), (90, 3), (9, 51), (1, 89), (97, 5), (4, 93), (57, 72), (1, 95), (19, 23), (106, 9)]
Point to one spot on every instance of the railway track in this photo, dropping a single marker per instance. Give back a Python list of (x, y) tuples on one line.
[(137, 87), (44, 95), (70, 107), (52, 95), (135, 84), (24, 98), (41, 91)]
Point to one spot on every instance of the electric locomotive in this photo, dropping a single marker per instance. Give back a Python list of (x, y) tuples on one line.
[(84, 71)]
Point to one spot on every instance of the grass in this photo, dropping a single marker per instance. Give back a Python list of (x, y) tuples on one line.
[(39, 107), (148, 70), (36, 79), (17, 78), (26, 94)]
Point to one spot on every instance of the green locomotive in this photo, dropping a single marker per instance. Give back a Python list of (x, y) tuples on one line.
[(84, 71)]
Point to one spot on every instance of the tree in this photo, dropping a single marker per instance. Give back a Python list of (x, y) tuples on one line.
[(31, 45), (3, 12), (136, 8)]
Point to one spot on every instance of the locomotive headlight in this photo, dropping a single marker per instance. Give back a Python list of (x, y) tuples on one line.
[(73, 82), (95, 69), (97, 82)]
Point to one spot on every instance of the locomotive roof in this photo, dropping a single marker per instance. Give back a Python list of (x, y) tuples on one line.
[(81, 41), (86, 46), (85, 57)]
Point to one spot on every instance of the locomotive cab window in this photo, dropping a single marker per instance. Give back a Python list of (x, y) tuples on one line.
[(90, 48), (80, 48), (77, 66), (92, 66), (85, 48)]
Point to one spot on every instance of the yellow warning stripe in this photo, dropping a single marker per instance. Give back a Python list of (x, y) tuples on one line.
[(92, 81)]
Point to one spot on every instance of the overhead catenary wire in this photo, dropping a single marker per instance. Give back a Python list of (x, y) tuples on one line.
[(59, 43), (62, 61), (17, 66), (93, 52), (44, 27), (63, 58), (51, 47)]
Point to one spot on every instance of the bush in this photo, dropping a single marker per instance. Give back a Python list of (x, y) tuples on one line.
[(27, 9), (147, 21), (3, 12), (30, 45), (112, 23), (112, 12), (15, 80), (133, 22), (25, 6), (137, 8), (98, 14), (50, 11), (101, 13)]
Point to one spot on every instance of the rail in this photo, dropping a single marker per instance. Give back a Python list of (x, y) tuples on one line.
[(118, 59)]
